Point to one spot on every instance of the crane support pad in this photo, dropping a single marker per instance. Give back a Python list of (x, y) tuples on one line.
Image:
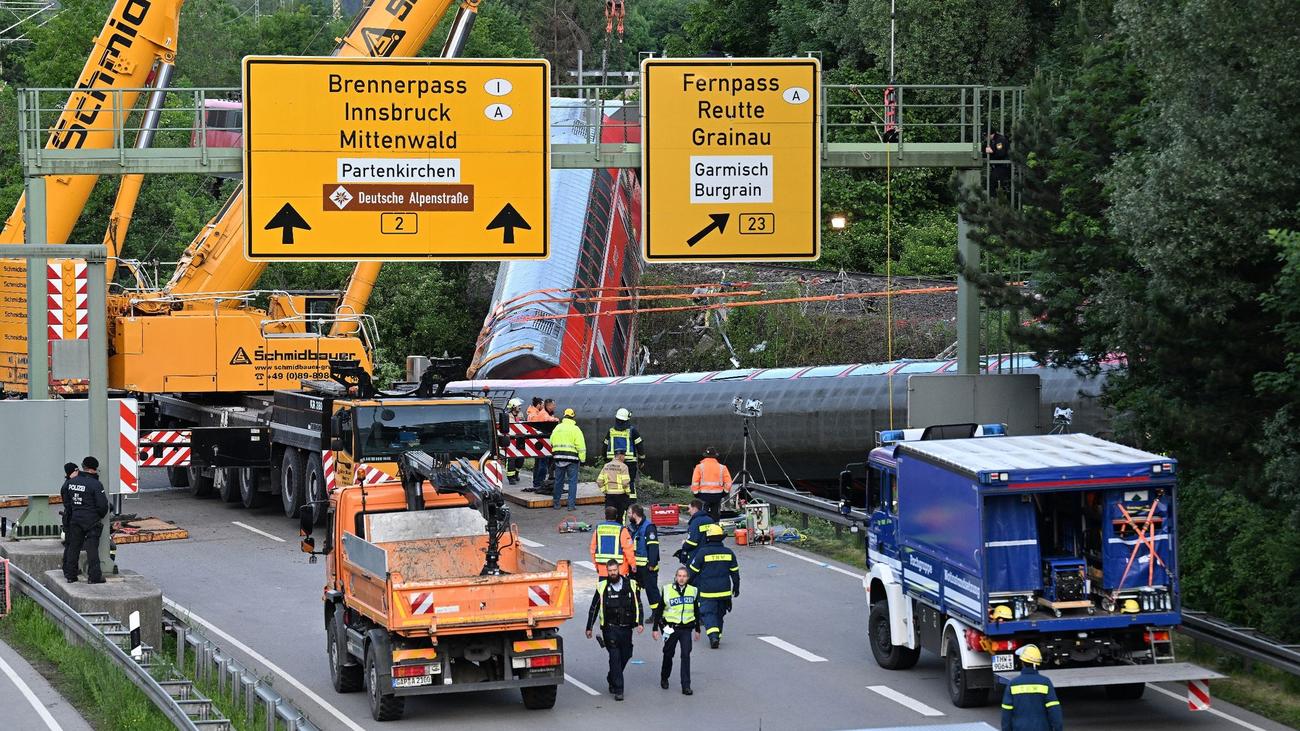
[(1123, 674)]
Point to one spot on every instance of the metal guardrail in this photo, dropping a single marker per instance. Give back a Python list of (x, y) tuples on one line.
[(68, 618), (1244, 642), (241, 685)]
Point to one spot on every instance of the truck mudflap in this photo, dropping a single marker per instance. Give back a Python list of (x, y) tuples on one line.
[(1172, 672)]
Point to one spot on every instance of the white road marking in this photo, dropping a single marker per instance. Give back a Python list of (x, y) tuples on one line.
[(1214, 711), (795, 650), (26, 690), (531, 544), (823, 564), (246, 526), (586, 565), (903, 700), (580, 685), (189, 616)]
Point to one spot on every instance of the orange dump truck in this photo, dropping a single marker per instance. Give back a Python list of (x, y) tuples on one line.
[(428, 590)]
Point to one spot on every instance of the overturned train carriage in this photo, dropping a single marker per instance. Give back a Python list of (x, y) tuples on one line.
[(815, 419)]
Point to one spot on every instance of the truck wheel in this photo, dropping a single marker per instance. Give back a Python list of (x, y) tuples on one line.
[(959, 690), (226, 481), (1126, 692), (200, 484), (539, 697), (887, 654), (346, 678), (382, 707), (291, 482), (314, 485), (178, 476), (250, 487)]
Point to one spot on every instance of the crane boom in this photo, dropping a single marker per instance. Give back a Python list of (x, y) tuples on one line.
[(137, 35), (214, 261)]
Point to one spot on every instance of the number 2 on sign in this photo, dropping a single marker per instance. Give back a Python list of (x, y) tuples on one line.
[(757, 223), (398, 223)]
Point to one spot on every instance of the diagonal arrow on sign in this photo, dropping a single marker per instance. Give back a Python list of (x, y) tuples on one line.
[(719, 223)]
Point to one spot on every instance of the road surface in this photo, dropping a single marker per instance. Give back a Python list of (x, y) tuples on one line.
[(794, 654), (28, 702)]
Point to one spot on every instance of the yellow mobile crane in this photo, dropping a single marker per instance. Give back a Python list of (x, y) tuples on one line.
[(135, 49), (200, 333)]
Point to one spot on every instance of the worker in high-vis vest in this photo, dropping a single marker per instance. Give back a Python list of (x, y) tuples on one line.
[(676, 620), (568, 452), (716, 574), (696, 521), (611, 540), (711, 482), (1029, 702), (645, 540), (624, 436), (615, 484)]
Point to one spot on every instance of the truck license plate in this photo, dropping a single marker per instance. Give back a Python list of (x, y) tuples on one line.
[(1004, 662), (413, 682)]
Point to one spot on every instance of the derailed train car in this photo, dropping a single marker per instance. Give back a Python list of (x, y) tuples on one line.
[(595, 257), (815, 419)]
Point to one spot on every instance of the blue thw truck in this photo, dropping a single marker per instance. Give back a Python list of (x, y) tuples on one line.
[(982, 543)]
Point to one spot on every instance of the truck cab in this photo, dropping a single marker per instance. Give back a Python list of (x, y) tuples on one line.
[(979, 543)]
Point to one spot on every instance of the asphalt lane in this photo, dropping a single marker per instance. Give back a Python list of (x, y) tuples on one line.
[(28, 702), (263, 593)]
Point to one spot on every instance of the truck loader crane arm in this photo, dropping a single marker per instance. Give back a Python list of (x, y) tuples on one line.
[(459, 478)]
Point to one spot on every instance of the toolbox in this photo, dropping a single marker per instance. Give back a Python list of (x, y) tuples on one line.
[(664, 515)]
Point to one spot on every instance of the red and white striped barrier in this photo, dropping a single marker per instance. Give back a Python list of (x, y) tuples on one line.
[(328, 463), (66, 296), (166, 448), (526, 441), (367, 475), (128, 466), (539, 595), (491, 469), (1198, 695)]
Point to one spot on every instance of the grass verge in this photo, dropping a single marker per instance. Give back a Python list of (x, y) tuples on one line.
[(1271, 693), (90, 681)]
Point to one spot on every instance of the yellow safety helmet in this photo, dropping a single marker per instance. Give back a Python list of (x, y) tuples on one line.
[(569, 413), (1130, 607), (1030, 655), (1002, 611), (712, 529)]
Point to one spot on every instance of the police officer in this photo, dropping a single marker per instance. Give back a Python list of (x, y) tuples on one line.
[(1029, 702), (694, 531), (677, 620), (611, 542), (624, 436), (716, 574), (617, 604), (645, 541), (84, 505)]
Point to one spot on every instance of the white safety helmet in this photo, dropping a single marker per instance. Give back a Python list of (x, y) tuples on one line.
[(515, 403), (622, 414)]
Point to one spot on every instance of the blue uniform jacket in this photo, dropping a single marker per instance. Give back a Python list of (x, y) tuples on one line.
[(646, 537), (715, 572), (693, 536), (1029, 704)]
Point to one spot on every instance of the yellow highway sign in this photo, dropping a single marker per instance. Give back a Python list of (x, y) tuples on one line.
[(730, 167), (396, 159)]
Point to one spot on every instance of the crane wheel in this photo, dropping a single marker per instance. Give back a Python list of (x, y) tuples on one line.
[(314, 486), (226, 480), (200, 484), (291, 482), (250, 484)]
